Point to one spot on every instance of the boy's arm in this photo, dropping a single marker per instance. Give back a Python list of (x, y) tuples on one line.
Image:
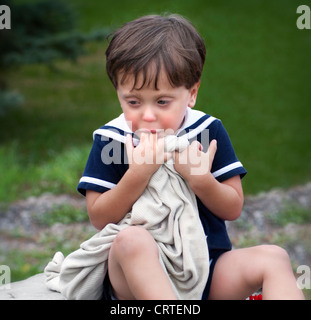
[(225, 199), (114, 204)]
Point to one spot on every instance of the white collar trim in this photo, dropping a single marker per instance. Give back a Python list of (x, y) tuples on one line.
[(192, 116)]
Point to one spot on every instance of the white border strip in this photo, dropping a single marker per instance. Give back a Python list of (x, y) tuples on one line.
[(98, 182), (227, 168)]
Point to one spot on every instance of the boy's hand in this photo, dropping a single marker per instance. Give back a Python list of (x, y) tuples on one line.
[(193, 161), (148, 156)]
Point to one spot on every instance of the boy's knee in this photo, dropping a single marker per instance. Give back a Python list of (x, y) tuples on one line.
[(134, 240), (275, 253)]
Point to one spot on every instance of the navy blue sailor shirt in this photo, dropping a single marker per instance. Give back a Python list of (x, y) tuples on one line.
[(107, 163)]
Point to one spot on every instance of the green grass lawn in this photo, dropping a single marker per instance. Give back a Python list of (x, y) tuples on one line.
[(256, 80)]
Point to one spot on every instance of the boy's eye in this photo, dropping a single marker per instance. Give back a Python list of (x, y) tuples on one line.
[(162, 102), (133, 102)]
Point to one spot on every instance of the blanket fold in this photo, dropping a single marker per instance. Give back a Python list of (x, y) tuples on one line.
[(168, 210)]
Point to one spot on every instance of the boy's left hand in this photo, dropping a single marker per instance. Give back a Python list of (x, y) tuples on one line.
[(193, 161)]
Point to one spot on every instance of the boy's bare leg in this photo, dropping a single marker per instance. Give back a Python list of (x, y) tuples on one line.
[(134, 268), (241, 272)]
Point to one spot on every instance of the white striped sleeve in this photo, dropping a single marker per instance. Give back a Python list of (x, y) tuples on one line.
[(98, 182), (227, 168)]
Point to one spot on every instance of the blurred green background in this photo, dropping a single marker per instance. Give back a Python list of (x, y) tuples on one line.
[(256, 80)]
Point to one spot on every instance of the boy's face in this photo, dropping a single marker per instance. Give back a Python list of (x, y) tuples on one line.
[(155, 110)]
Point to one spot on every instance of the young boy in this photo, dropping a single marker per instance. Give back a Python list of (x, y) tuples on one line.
[(155, 65)]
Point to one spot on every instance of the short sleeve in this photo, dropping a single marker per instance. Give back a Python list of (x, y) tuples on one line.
[(226, 164), (105, 166)]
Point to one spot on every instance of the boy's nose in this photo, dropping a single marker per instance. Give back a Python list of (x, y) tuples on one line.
[(149, 115)]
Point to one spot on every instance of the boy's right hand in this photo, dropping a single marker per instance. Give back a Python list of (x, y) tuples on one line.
[(148, 156)]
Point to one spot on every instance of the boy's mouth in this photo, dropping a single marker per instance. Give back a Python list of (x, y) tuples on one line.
[(158, 132), (145, 130)]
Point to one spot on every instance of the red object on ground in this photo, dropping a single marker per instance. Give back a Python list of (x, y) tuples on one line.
[(255, 297)]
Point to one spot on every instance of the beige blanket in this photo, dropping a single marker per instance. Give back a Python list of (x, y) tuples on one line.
[(168, 210)]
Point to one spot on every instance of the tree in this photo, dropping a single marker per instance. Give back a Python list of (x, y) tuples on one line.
[(41, 32)]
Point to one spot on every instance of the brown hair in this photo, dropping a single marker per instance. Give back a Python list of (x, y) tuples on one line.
[(160, 41)]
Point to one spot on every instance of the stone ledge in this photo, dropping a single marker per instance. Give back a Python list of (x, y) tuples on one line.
[(33, 288)]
